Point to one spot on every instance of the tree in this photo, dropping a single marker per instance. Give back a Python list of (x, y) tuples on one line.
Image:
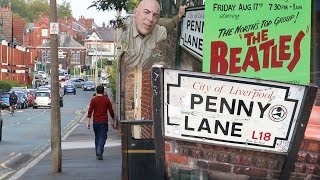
[(64, 10), (37, 8), (118, 5), (107, 5), (31, 10)]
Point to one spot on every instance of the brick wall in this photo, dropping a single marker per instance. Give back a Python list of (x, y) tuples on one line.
[(187, 160), (129, 86)]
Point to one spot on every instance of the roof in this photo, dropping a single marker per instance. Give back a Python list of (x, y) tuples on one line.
[(105, 33), (65, 40)]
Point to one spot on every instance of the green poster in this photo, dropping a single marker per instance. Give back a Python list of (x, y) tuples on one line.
[(266, 39)]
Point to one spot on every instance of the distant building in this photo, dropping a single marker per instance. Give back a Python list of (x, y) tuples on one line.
[(70, 53), (100, 45)]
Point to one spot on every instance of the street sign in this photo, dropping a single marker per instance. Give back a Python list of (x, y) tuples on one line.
[(192, 31), (54, 28), (231, 111)]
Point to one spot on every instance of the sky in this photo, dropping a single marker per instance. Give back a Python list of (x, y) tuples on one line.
[(79, 8)]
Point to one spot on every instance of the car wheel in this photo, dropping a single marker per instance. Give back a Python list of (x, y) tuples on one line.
[(35, 107)]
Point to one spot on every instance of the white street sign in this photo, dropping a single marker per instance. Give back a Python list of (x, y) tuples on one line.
[(231, 111), (54, 28), (192, 31)]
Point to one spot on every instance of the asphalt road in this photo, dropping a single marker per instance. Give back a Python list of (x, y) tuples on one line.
[(27, 133)]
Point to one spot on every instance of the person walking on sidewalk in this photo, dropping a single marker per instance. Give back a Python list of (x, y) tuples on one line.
[(99, 107)]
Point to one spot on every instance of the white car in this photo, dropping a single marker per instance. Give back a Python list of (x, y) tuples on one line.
[(42, 98), (43, 74), (104, 81)]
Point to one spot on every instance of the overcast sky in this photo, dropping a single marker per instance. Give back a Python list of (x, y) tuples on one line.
[(79, 8)]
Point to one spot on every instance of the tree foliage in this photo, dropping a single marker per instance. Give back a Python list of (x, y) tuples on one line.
[(64, 10), (36, 8), (107, 5), (31, 10)]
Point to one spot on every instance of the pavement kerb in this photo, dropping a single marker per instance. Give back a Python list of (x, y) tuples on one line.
[(33, 161)]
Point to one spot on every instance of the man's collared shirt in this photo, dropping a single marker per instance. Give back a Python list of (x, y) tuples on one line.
[(138, 48)]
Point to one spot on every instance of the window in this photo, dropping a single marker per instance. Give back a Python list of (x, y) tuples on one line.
[(46, 57), (44, 32), (75, 57)]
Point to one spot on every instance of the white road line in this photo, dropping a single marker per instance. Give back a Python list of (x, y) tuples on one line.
[(23, 170)]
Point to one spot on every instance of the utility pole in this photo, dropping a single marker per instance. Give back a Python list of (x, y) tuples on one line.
[(55, 100)]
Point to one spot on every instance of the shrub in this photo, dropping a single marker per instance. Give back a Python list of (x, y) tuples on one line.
[(6, 85), (113, 80)]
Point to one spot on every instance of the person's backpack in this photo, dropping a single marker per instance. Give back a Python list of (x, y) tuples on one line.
[(13, 98)]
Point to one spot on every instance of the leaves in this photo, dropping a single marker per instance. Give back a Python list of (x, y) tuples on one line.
[(64, 10), (31, 10), (108, 5), (118, 23)]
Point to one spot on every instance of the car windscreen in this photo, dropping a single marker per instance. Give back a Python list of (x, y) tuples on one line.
[(89, 83), (42, 94)]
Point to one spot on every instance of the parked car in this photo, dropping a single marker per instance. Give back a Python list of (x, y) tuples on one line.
[(22, 102), (104, 81), (43, 74), (45, 87), (89, 85), (42, 99), (69, 88), (27, 92), (31, 93), (77, 82), (63, 75), (4, 100)]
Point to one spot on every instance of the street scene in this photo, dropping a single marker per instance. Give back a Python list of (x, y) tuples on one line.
[(26, 134), (159, 89)]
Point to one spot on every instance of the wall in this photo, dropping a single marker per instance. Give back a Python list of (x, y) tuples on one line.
[(15, 64), (187, 160)]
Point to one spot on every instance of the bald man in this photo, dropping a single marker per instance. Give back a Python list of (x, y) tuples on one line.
[(138, 39), (144, 31)]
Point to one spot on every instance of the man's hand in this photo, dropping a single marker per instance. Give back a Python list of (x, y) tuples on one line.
[(88, 123), (182, 11), (113, 124)]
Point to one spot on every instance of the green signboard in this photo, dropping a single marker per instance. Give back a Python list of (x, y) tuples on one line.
[(267, 39)]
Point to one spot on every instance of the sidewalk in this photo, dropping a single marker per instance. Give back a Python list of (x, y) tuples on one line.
[(78, 159)]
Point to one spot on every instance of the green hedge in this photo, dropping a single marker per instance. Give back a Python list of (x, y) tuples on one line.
[(113, 80), (7, 85)]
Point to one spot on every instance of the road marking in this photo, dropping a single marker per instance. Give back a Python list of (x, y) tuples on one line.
[(23, 170)]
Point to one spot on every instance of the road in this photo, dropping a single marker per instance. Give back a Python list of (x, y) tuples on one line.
[(27, 133)]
